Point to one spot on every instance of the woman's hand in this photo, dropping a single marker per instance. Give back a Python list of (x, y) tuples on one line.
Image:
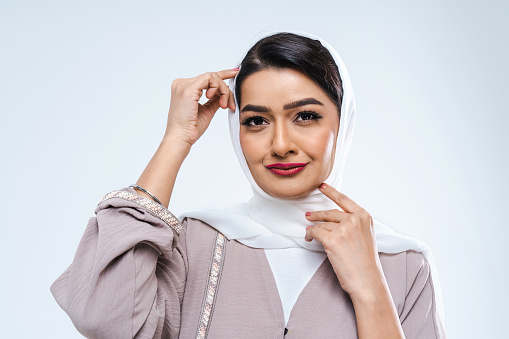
[(187, 121), (187, 118), (349, 241), (350, 244)]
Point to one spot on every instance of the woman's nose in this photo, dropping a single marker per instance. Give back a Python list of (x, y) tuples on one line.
[(282, 143)]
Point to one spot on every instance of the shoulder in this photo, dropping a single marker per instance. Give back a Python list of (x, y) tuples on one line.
[(198, 234), (404, 271), (420, 316), (417, 267), (410, 262), (197, 227)]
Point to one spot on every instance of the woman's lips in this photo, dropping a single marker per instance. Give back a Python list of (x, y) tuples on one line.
[(286, 169)]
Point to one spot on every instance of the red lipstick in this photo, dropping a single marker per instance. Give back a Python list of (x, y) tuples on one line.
[(286, 169)]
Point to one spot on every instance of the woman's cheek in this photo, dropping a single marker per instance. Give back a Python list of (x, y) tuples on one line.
[(330, 147), (325, 147), (250, 149)]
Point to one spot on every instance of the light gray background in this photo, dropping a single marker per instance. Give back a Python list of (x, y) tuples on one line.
[(85, 91)]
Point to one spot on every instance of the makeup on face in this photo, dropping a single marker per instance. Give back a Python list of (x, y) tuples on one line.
[(286, 168), (288, 130)]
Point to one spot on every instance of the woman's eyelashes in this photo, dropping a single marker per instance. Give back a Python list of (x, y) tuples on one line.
[(308, 115), (253, 121), (303, 117)]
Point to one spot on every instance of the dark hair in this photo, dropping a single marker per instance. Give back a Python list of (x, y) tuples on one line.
[(288, 50)]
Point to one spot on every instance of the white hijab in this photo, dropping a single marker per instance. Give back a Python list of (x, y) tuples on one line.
[(268, 222)]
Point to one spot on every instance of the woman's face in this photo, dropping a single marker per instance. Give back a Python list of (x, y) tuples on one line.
[(288, 132)]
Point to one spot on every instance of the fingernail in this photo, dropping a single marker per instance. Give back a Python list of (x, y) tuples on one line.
[(322, 186), (308, 227), (235, 69), (308, 214)]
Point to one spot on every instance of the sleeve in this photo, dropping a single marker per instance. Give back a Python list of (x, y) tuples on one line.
[(419, 317), (128, 275)]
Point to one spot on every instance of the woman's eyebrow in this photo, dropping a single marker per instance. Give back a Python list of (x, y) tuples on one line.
[(303, 102), (295, 104), (255, 108)]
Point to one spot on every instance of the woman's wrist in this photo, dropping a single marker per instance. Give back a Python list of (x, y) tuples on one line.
[(176, 142), (371, 288), (376, 314), (161, 172), (370, 296)]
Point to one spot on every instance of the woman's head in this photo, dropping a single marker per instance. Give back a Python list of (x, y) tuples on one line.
[(289, 94), (292, 51)]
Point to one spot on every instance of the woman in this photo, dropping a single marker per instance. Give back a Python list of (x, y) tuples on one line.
[(300, 259)]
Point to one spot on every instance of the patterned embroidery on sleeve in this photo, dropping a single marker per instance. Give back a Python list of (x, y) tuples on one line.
[(212, 285), (154, 208)]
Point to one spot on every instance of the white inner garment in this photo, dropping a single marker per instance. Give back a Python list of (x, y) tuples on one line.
[(292, 269)]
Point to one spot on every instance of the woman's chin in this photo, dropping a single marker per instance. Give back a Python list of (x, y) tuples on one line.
[(289, 193)]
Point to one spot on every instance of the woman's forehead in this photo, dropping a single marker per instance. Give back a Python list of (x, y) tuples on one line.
[(281, 88)]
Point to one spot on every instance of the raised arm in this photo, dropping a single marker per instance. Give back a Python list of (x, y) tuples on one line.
[(187, 121), (128, 276)]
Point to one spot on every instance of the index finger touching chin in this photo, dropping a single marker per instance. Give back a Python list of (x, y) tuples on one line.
[(343, 201)]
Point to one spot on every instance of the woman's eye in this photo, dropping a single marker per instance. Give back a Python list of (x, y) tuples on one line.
[(253, 121), (304, 116)]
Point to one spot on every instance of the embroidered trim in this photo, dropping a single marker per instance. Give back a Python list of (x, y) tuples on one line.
[(154, 208), (213, 283)]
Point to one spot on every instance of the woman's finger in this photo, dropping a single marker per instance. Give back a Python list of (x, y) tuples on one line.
[(212, 104), (231, 101), (225, 93), (208, 80), (214, 85), (228, 73), (210, 92), (346, 204), (329, 226), (333, 215), (315, 232)]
